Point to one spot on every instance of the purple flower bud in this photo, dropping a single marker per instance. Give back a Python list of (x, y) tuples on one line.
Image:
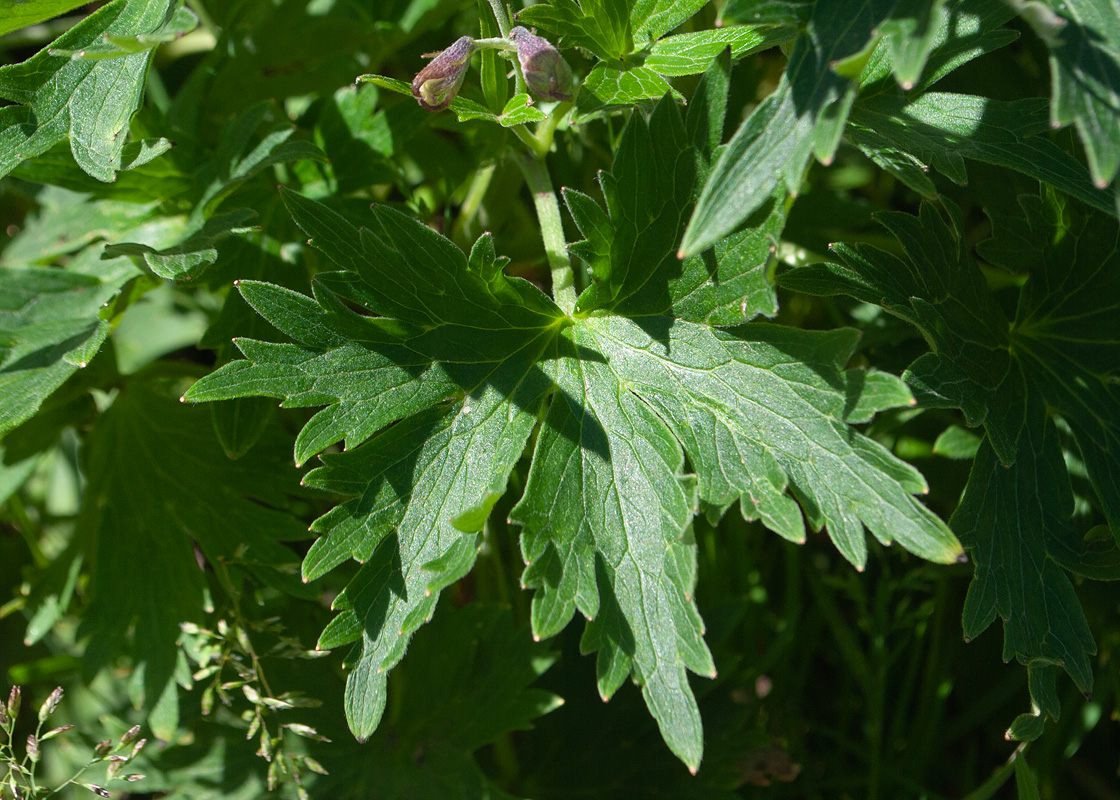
[(436, 85), (50, 704), (546, 72), (14, 702)]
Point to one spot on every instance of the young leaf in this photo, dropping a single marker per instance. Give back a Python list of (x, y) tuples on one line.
[(59, 97), (649, 192), (608, 88)]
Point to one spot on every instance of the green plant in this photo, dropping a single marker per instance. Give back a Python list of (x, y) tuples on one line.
[(21, 781), (604, 399)]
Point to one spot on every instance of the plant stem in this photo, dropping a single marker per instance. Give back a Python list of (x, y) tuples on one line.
[(552, 230), (500, 16)]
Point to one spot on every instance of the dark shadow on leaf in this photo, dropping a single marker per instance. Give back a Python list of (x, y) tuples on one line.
[(609, 631), (51, 354)]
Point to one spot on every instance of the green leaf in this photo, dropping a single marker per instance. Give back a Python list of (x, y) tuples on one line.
[(50, 327), (607, 507), (767, 12), (1005, 518), (16, 14), (941, 130), (476, 347), (492, 68), (1024, 779), (911, 34), (957, 442), (631, 248), (691, 53), (652, 19), (190, 258), (67, 222), (466, 682), (803, 117), (155, 470), (435, 368), (1058, 356), (59, 98), (938, 289), (607, 89), (1084, 41), (1064, 331), (601, 26), (968, 30), (236, 162)]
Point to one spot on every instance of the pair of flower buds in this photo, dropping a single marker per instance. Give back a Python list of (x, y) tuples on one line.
[(547, 74)]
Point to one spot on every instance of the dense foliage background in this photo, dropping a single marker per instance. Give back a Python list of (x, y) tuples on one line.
[(660, 345)]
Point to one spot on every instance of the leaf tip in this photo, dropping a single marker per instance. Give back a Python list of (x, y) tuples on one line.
[(182, 399), (693, 769), (713, 674), (962, 558), (681, 255), (536, 637)]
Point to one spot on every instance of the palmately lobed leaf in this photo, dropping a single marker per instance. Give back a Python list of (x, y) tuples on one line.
[(1058, 357), (435, 368)]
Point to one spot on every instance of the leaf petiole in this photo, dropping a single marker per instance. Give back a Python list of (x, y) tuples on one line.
[(552, 229)]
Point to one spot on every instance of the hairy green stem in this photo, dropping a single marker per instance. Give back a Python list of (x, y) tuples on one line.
[(500, 15), (552, 230)]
